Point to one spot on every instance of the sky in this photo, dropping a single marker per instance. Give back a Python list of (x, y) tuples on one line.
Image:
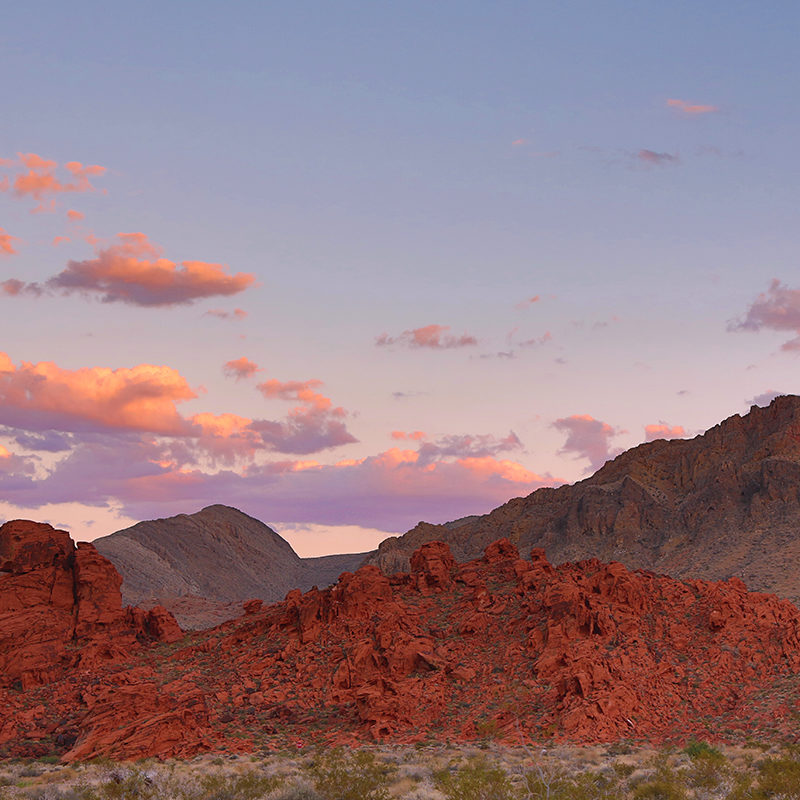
[(349, 266)]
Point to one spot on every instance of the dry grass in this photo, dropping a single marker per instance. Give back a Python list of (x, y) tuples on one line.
[(430, 772)]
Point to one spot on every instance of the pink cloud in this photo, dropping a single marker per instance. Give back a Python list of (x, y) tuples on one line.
[(36, 177), (391, 490), (75, 216), (776, 309), (662, 430), (588, 437), (240, 368), (689, 108), (659, 159), (133, 271), (414, 436), (14, 287), (6, 246), (434, 337), (315, 424), (57, 240), (236, 314), (519, 142), (44, 396)]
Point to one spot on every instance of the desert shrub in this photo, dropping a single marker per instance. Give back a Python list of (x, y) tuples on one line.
[(357, 776), (474, 781), (659, 789), (248, 786), (702, 750), (779, 777), (297, 791), (543, 785)]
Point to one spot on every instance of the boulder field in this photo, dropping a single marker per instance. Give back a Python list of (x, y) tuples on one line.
[(499, 647)]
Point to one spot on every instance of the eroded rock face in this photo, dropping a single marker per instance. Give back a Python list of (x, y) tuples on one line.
[(726, 503), (60, 608), (582, 652)]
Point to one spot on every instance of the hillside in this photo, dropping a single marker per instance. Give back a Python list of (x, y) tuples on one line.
[(502, 647), (202, 566), (725, 503)]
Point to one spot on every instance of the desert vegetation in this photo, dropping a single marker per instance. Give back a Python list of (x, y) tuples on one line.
[(487, 771)]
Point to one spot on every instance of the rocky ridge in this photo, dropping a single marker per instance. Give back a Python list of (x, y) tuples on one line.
[(501, 646), (61, 614), (202, 566), (725, 503)]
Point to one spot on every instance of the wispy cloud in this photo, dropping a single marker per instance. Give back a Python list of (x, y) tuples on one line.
[(37, 178), (690, 108), (6, 243), (658, 159), (433, 337), (237, 314)]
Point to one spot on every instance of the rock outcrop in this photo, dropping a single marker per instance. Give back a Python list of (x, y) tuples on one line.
[(61, 609), (723, 504), (203, 566), (502, 646)]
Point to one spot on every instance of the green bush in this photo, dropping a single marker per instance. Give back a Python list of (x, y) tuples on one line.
[(660, 789), (358, 776), (474, 781)]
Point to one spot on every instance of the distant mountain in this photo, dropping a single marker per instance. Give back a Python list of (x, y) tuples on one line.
[(202, 566), (725, 503)]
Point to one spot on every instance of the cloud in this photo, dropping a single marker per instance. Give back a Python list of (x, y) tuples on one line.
[(529, 301), (475, 446), (663, 430), (414, 436), (389, 491), (688, 108), (57, 240), (434, 337), (43, 396), (763, 399), (6, 246), (75, 216), (133, 271), (236, 314), (36, 177), (659, 159), (312, 426), (240, 368), (14, 287), (777, 309), (588, 437)]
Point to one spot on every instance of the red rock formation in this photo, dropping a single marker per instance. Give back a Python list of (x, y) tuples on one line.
[(502, 646), (60, 608)]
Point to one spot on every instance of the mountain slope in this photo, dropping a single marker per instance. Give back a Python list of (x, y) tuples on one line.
[(202, 566), (725, 503)]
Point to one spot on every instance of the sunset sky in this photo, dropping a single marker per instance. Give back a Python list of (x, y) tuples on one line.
[(348, 266)]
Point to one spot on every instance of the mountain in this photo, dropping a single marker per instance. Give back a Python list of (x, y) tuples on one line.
[(202, 566), (725, 503), (503, 647)]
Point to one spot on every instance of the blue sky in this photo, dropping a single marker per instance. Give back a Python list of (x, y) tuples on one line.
[(379, 169)]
